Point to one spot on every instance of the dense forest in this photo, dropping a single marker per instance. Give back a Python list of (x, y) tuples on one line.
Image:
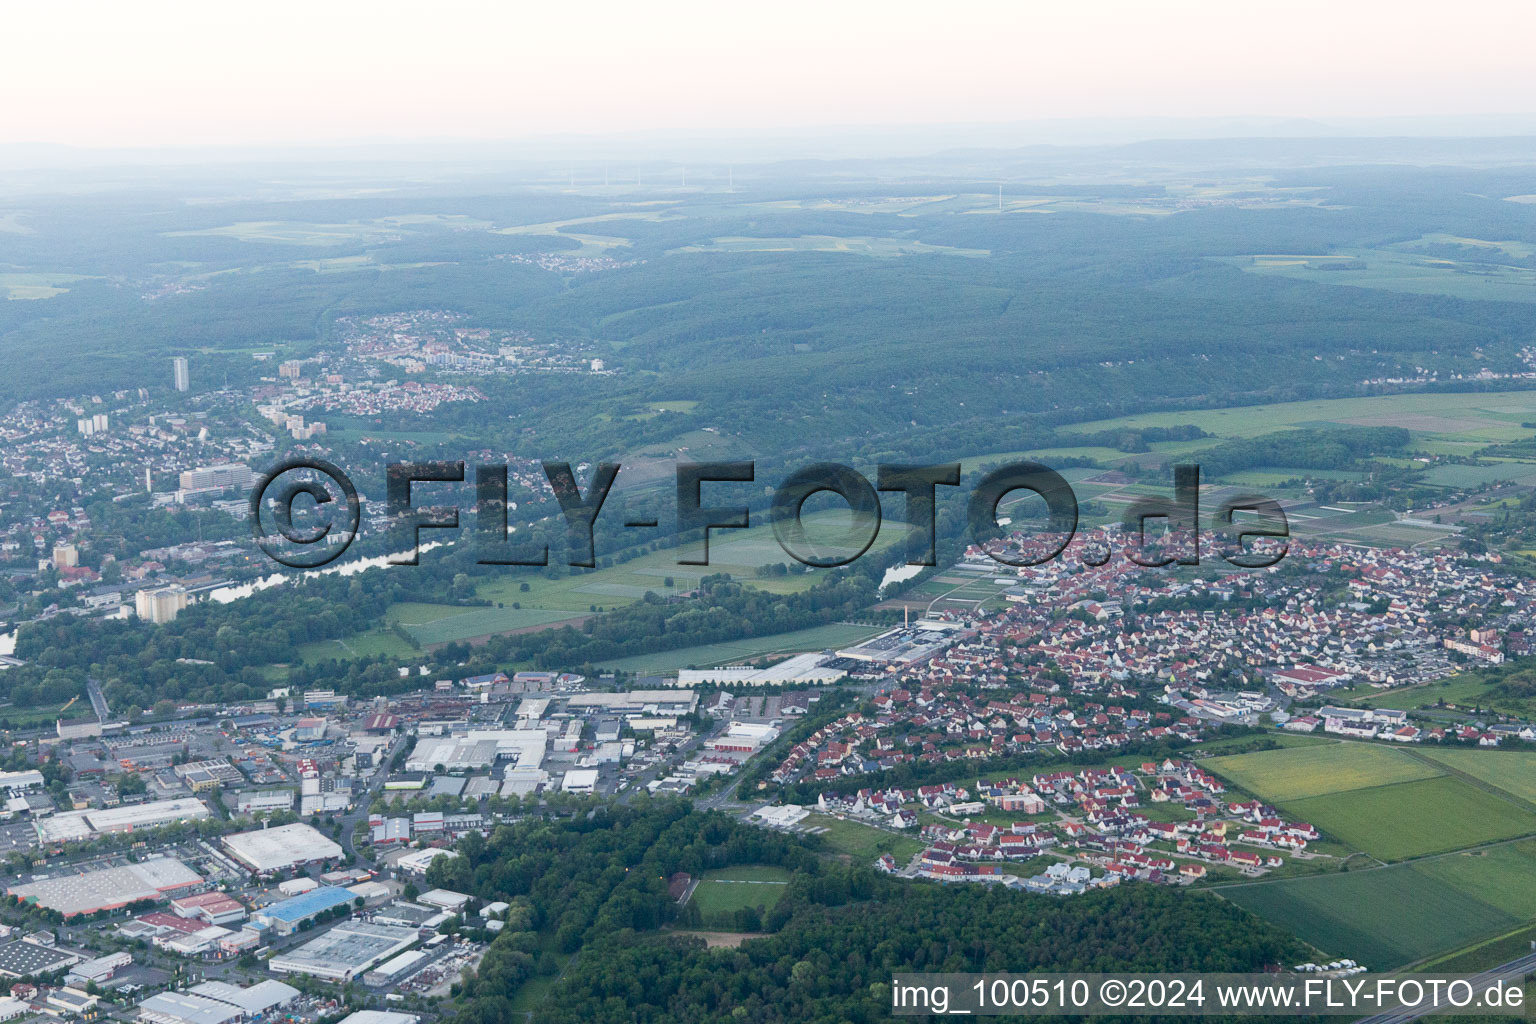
[(595, 887)]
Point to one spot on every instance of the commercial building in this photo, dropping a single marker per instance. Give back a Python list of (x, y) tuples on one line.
[(27, 959), (109, 888), (391, 971), (216, 1002), (270, 850), (444, 899), (479, 748), (417, 861), (345, 952), (580, 780), (22, 781), (97, 970), (288, 916), (209, 907), (224, 475), (186, 1008), (132, 817), (201, 776), (744, 738), (266, 801), (380, 1017), (907, 645), (260, 998), (654, 702)]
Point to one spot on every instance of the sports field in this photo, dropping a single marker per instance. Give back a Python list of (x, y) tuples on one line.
[(730, 889), (1297, 773)]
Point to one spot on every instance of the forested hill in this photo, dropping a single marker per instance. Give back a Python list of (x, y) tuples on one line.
[(842, 318)]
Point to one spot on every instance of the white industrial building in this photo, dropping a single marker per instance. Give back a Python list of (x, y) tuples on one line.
[(380, 1017), (802, 668), (85, 892), (346, 951), (393, 970), (680, 701), (479, 748), (580, 780), (74, 826), (744, 738), (417, 861), (216, 1002), (269, 850)]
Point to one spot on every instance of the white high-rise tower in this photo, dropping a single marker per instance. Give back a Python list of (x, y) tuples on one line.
[(182, 376)]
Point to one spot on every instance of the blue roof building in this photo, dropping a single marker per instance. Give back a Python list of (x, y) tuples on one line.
[(286, 916)]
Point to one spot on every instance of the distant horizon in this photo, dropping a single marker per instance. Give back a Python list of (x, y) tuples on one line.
[(170, 73), (808, 142)]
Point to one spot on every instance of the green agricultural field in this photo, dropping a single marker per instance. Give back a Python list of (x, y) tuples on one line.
[(709, 655), (1383, 918), (1512, 771), (546, 601), (1476, 476), (296, 232), (480, 622), (863, 246), (1504, 876), (1487, 417), (1412, 819), (36, 286), (1273, 476), (1296, 773), (1394, 270)]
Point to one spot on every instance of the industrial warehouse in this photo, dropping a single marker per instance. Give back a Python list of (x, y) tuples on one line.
[(216, 1002), (270, 850), (288, 916), (74, 826), (26, 959), (345, 952), (479, 748), (109, 888)]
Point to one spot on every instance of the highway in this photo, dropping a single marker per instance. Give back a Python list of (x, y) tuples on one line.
[(1513, 971)]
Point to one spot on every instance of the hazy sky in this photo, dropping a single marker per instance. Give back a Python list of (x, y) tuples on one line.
[(150, 73)]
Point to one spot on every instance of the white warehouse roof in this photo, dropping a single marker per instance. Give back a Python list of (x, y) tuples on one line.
[(285, 846)]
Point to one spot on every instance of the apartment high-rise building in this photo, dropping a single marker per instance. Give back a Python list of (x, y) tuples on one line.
[(182, 376), (160, 605)]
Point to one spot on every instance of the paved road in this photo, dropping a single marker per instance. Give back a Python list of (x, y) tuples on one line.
[(360, 807), (1514, 970)]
